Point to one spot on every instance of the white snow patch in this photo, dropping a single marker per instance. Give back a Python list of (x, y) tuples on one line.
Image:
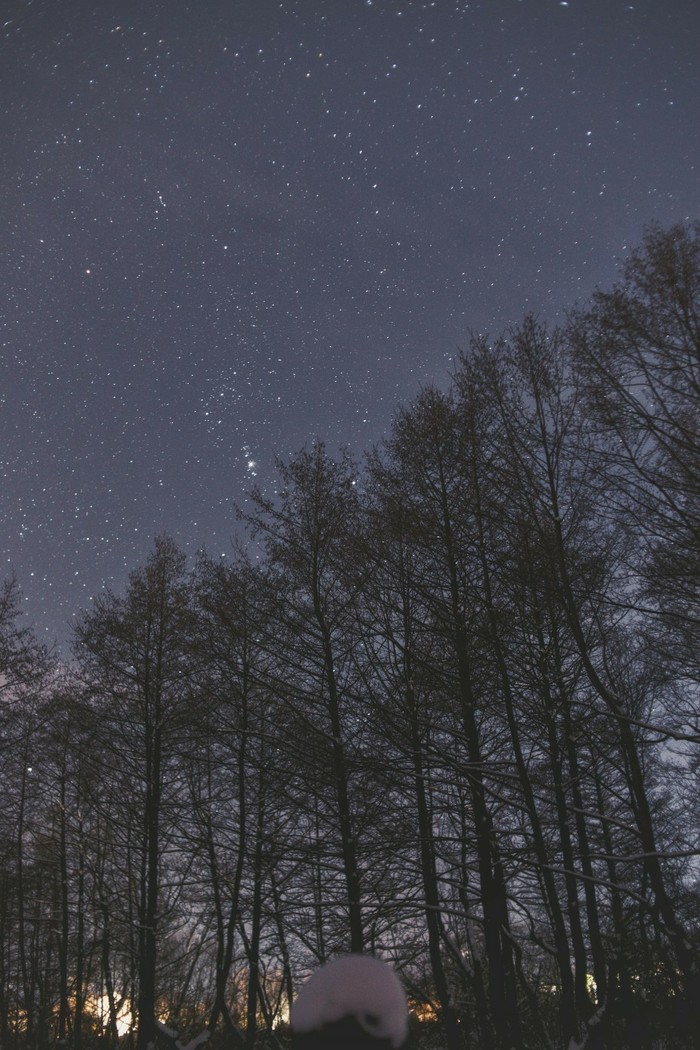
[(171, 1034), (198, 1040), (357, 985)]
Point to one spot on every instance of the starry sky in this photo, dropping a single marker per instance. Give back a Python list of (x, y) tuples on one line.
[(231, 227)]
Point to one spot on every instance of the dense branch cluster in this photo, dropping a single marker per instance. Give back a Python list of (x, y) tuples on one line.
[(449, 714)]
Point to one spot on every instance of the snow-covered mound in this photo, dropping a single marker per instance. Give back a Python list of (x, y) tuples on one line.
[(354, 986)]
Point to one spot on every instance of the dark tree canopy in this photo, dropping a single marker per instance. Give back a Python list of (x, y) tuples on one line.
[(446, 711)]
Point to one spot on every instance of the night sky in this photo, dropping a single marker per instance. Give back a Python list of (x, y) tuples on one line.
[(230, 227)]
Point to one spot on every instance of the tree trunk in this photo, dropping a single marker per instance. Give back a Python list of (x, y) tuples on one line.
[(431, 892)]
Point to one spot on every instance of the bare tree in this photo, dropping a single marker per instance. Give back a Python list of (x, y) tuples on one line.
[(132, 652), (305, 532)]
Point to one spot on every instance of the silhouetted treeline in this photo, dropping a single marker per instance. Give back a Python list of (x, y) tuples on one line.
[(450, 715)]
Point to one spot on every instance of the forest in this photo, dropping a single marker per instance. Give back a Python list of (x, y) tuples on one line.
[(442, 705)]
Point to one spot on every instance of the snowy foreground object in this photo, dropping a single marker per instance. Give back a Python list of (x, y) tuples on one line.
[(354, 1001)]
